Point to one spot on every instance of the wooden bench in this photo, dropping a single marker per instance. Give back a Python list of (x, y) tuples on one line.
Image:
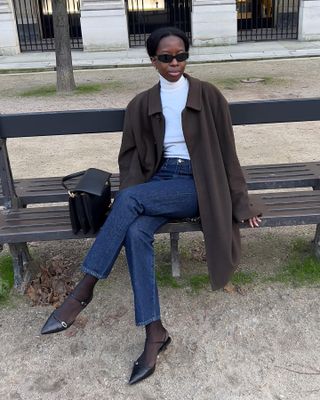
[(45, 222)]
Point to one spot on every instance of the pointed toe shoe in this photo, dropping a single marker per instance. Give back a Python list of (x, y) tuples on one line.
[(141, 371), (54, 324)]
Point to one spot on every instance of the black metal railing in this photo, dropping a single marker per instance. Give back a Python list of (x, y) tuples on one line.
[(35, 26), (267, 19), (145, 16)]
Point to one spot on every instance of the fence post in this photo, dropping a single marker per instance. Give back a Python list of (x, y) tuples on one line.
[(214, 22), (9, 42), (309, 17), (104, 25)]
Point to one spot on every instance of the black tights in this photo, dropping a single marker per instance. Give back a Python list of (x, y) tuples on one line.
[(70, 308), (156, 334)]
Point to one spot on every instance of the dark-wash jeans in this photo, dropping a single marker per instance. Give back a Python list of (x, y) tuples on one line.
[(136, 215)]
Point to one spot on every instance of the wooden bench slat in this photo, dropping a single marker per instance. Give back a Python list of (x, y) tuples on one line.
[(36, 224), (52, 223), (45, 190), (104, 120), (277, 176), (272, 176), (297, 166)]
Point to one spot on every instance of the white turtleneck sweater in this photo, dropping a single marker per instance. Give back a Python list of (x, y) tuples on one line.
[(174, 98)]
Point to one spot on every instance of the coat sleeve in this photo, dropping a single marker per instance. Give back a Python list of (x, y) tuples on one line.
[(128, 159), (242, 207)]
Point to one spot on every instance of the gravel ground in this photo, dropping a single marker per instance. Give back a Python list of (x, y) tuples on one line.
[(262, 343)]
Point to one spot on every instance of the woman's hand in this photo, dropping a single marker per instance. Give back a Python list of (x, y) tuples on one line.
[(254, 222)]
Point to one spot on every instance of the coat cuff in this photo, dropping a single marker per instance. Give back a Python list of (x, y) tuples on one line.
[(243, 209)]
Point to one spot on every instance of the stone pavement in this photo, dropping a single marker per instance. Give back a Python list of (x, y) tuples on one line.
[(138, 56)]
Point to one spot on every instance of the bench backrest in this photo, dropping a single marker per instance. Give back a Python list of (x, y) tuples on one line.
[(111, 120)]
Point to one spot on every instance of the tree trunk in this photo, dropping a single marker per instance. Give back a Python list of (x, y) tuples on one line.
[(65, 78)]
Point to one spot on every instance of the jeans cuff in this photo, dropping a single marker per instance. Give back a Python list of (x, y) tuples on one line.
[(93, 273), (148, 321)]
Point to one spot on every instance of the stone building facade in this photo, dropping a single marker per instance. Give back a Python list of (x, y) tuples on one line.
[(104, 23)]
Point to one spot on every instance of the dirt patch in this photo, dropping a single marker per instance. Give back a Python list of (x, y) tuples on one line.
[(261, 344)]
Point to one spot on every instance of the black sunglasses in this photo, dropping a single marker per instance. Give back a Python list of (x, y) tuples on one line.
[(167, 58)]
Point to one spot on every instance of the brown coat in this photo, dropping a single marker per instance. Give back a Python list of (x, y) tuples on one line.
[(221, 188)]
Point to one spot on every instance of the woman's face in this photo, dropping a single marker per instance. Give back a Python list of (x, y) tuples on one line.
[(170, 45)]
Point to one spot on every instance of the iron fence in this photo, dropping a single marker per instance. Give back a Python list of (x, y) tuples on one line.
[(35, 25), (267, 19), (144, 16)]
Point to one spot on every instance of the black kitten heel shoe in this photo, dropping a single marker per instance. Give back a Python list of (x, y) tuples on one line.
[(140, 371), (54, 324)]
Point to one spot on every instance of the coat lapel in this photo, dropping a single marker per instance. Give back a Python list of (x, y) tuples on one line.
[(154, 101), (157, 119), (194, 95)]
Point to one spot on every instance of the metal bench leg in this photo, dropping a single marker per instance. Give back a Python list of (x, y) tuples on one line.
[(175, 262), (317, 242), (21, 258)]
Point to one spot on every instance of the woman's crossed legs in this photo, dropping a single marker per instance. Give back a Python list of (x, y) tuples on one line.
[(137, 213)]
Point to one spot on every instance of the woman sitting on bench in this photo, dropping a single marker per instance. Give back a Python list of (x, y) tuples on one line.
[(177, 160)]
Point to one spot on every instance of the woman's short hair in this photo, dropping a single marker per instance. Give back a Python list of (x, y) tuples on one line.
[(155, 37)]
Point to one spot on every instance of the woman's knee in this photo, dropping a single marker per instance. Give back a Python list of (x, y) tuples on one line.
[(138, 232), (123, 194), (127, 198)]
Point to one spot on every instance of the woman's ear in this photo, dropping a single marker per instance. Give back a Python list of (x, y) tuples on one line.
[(154, 62)]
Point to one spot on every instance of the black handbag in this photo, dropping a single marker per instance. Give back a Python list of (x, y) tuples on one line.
[(89, 199)]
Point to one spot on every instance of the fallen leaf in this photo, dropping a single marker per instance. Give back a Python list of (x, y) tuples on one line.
[(231, 288), (52, 284)]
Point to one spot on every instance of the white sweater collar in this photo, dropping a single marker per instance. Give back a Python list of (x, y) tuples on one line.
[(166, 85)]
